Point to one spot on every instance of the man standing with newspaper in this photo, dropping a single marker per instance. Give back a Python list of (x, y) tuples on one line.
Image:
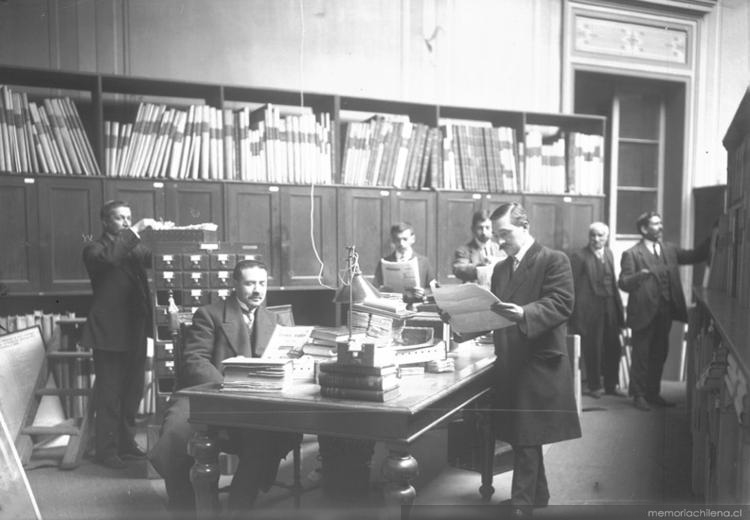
[(403, 239)]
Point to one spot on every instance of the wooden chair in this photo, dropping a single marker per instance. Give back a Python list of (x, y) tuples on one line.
[(228, 461)]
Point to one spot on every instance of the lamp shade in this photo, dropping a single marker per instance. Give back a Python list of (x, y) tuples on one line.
[(356, 291)]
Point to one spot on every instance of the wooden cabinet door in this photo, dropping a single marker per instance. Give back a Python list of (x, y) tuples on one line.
[(195, 203), (562, 222), (578, 214), (145, 197), (364, 222), (19, 235), (418, 208), (252, 216), (68, 216), (545, 218), (299, 228), (454, 212)]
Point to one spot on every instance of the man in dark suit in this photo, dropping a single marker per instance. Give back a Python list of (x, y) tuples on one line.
[(597, 315), (534, 399), (480, 251), (237, 326), (649, 273), (403, 239), (116, 330)]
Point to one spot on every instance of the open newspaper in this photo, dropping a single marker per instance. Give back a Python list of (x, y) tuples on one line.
[(398, 276), (469, 308)]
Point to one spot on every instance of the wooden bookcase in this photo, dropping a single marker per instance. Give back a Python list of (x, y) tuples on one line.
[(50, 214), (719, 351)]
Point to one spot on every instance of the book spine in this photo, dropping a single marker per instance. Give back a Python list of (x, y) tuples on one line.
[(339, 380), (339, 368)]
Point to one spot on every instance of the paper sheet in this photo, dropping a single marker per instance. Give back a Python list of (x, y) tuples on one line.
[(469, 308), (398, 276), (285, 339)]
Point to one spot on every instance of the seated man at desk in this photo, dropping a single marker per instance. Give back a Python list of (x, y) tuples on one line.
[(480, 252), (239, 325), (403, 239)]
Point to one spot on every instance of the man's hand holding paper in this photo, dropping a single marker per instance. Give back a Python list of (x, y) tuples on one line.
[(471, 308)]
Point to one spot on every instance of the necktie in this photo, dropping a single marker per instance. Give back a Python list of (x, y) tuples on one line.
[(516, 261), (656, 249)]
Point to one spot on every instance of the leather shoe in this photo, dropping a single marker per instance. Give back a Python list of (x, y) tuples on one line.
[(615, 392), (112, 462), (596, 394), (132, 452), (640, 403), (660, 401)]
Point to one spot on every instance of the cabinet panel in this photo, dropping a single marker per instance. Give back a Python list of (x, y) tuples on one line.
[(146, 198), (68, 214), (545, 219), (19, 236), (252, 216), (577, 217), (418, 208), (454, 213), (300, 267), (195, 203), (364, 222), (562, 222)]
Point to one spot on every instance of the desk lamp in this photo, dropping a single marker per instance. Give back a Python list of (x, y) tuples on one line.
[(354, 290)]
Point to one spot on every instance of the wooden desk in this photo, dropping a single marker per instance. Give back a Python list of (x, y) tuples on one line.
[(425, 402)]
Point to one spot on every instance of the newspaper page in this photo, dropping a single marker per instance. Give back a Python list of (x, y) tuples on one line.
[(469, 308), (398, 276)]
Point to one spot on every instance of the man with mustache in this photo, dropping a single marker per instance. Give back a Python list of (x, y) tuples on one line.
[(238, 326)]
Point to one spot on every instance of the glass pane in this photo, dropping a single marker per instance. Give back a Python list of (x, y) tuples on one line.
[(638, 164), (630, 205), (639, 116)]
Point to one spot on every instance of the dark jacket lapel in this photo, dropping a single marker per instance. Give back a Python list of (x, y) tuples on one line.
[(265, 322), (234, 328), (521, 274)]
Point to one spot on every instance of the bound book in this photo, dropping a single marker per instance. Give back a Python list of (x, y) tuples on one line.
[(332, 367), (359, 394), (371, 382)]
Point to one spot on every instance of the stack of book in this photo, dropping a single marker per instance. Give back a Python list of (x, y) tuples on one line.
[(246, 374), (390, 308), (43, 138), (358, 381), (323, 341)]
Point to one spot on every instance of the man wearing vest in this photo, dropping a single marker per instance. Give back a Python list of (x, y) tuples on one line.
[(649, 273), (237, 326)]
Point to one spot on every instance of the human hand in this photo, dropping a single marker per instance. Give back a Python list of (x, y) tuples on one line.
[(508, 310), (414, 294), (444, 316)]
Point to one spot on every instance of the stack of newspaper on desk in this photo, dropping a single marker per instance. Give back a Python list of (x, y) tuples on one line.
[(247, 374)]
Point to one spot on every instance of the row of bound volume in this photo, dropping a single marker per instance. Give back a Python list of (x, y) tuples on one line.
[(44, 137)]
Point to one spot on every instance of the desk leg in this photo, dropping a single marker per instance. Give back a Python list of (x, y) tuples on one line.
[(399, 470), (487, 455), (204, 474)]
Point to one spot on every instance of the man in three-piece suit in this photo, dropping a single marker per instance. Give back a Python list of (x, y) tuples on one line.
[(534, 399), (597, 315), (237, 326), (480, 251), (116, 330), (649, 273)]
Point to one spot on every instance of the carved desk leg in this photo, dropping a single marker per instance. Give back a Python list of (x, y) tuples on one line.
[(399, 470), (486, 455), (204, 474)]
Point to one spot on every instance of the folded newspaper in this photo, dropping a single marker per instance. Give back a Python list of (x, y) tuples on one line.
[(469, 308)]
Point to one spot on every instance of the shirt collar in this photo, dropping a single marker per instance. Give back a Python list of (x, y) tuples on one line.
[(243, 306), (524, 248)]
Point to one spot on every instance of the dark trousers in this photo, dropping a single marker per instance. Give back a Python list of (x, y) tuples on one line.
[(529, 487), (118, 390), (600, 346), (650, 348)]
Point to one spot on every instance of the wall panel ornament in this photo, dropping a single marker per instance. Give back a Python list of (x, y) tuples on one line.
[(633, 40)]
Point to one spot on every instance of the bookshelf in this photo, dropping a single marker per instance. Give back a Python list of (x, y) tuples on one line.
[(719, 352), (45, 247)]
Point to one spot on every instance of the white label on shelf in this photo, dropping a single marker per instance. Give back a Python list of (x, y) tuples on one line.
[(27, 180), (567, 199), (167, 258), (195, 276), (195, 258), (273, 189), (476, 196), (223, 275), (384, 193), (158, 185), (196, 293), (222, 258), (168, 275), (223, 293), (209, 246), (488, 196)]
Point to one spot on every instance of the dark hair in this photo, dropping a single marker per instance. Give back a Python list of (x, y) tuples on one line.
[(401, 227), (518, 216), (479, 216), (110, 206), (247, 264), (643, 219)]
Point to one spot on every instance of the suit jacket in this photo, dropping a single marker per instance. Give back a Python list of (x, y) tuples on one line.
[(120, 317), (468, 257), (218, 331), (425, 270), (534, 396), (588, 307), (645, 294)]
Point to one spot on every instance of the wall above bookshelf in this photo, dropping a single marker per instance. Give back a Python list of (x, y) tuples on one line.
[(245, 134)]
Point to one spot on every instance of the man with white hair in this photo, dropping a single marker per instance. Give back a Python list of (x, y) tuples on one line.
[(597, 315)]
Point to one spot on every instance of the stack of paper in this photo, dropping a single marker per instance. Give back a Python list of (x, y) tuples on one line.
[(257, 374)]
